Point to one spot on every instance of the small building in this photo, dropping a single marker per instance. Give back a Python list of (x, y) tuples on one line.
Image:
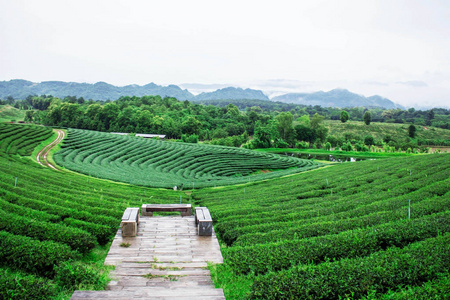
[(120, 133), (150, 136)]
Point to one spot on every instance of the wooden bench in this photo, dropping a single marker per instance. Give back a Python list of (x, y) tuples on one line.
[(149, 209), (203, 220), (130, 221)]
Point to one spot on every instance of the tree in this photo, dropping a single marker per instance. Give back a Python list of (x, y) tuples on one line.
[(191, 125), (412, 131), (304, 133), (367, 117), (430, 116), (304, 120), (284, 125), (29, 116), (316, 120), (344, 116), (263, 136), (369, 140)]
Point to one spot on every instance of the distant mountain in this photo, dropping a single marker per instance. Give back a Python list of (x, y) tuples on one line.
[(232, 93), (336, 98), (20, 89)]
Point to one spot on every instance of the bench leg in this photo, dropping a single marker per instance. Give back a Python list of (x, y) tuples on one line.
[(129, 229), (147, 213), (186, 213), (205, 228)]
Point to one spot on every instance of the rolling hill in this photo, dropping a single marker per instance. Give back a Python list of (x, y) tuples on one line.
[(336, 98)]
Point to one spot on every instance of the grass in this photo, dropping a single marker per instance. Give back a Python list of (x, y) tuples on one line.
[(234, 286), (9, 113)]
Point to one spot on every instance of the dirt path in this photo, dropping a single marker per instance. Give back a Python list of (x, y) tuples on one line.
[(42, 155)]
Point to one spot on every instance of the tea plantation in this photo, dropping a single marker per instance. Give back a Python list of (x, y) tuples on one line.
[(340, 232), (163, 164), (55, 227), (375, 229), (20, 139)]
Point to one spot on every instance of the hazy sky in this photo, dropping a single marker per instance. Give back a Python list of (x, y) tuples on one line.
[(397, 49)]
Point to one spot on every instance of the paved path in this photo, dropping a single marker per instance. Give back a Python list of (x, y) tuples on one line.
[(167, 260), (43, 153)]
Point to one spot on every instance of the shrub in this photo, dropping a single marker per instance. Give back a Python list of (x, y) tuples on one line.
[(37, 257), (352, 243), (369, 140), (72, 275), (356, 278), (15, 285), (103, 233), (77, 239), (302, 145)]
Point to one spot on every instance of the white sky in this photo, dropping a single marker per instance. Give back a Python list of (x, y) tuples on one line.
[(397, 49)]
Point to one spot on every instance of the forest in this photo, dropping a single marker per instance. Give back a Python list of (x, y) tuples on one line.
[(233, 122)]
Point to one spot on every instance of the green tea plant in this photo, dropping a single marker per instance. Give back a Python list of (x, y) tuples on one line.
[(166, 164)]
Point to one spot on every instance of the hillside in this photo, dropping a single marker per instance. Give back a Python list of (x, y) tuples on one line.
[(337, 231), (157, 163), (231, 93), (55, 227), (9, 113), (336, 98), (20, 89), (375, 229), (398, 132)]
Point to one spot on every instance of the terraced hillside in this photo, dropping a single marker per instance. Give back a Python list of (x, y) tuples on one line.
[(338, 233), (55, 227), (165, 164), (22, 139)]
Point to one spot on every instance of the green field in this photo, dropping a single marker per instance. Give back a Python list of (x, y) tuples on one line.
[(399, 132), (9, 114), (167, 164), (337, 231)]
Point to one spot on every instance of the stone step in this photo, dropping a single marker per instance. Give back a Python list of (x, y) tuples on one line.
[(187, 281), (156, 265), (151, 293), (171, 254), (143, 272)]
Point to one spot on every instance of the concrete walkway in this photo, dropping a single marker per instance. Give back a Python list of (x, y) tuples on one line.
[(167, 260)]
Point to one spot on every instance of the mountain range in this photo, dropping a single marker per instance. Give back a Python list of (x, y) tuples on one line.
[(20, 89), (336, 98)]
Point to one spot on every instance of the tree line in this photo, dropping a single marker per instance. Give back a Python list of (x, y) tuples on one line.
[(272, 125)]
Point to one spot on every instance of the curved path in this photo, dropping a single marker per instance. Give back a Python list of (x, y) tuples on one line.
[(42, 155)]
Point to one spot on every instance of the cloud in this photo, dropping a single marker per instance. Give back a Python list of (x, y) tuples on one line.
[(413, 83), (379, 83)]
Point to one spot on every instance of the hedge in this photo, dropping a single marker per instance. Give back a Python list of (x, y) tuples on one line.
[(76, 238), (353, 243), (18, 286), (358, 277), (34, 256)]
